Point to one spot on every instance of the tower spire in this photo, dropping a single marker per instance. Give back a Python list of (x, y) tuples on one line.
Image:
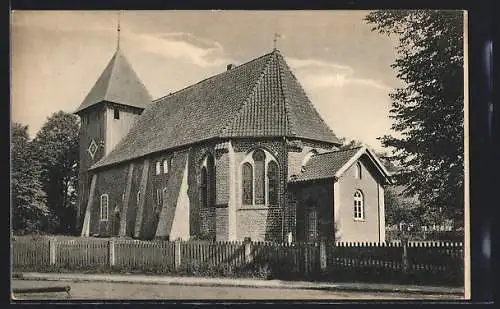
[(118, 32)]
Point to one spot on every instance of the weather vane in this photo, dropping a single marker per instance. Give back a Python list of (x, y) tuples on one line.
[(276, 37), (118, 31)]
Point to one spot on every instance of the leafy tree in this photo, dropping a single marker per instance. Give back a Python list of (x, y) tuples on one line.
[(27, 195), (57, 150), (347, 143), (428, 111)]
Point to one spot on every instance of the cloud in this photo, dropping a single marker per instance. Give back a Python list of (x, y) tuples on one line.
[(182, 46), (322, 74)]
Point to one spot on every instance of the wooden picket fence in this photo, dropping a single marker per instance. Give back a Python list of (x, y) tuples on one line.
[(413, 262)]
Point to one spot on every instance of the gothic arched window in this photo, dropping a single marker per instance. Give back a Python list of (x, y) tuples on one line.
[(104, 207), (259, 158), (207, 182), (272, 176), (359, 212), (260, 179), (247, 184)]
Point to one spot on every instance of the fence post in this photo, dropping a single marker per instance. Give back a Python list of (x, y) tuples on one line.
[(306, 258), (322, 254), (111, 247), (52, 251), (177, 251), (405, 255), (248, 250)]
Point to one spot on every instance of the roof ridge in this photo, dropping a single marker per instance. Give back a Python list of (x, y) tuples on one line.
[(284, 89), (339, 150), (210, 77), (247, 99), (113, 68)]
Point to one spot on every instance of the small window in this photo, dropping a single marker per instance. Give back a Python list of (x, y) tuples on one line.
[(165, 166), (358, 171), (159, 199), (359, 212), (104, 207), (158, 168), (117, 113), (138, 197)]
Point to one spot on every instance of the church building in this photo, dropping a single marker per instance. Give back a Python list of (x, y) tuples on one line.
[(241, 154)]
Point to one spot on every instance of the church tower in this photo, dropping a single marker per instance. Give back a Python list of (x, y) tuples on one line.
[(106, 115)]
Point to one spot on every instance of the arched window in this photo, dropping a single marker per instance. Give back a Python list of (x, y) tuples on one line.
[(272, 176), (138, 198), (158, 168), (165, 166), (259, 179), (359, 212), (308, 157), (247, 184), (207, 182), (204, 189), (104, 207), (357, 171)]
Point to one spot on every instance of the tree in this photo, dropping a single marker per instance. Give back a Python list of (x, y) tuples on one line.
[(58, 154), (347, 143), (428, 111), (27, 195)]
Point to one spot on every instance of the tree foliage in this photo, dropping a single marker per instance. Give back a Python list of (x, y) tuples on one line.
[(57, 151), (427, 112), (27, 195)]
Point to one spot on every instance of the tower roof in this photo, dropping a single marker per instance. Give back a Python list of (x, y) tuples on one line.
[(260, 98), (118, 83)]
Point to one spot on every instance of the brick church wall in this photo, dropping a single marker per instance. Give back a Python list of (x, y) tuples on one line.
[(262, 222), (111, 182)]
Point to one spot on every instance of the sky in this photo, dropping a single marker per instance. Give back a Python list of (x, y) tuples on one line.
[(344, 67)]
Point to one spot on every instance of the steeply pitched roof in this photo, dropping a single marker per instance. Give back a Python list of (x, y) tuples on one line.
[(333, 164), (325, 165), (118, 83), (260, 98)]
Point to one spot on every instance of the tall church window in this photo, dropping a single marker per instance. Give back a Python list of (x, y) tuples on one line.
[(247, 184), (207, 182), (260, 176), (272, 176), (359, 212), (204, 189), (138, 198), (259, 179), (104, 207), (116, 113)]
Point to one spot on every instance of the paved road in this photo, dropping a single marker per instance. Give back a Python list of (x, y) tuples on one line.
[(123, 291)]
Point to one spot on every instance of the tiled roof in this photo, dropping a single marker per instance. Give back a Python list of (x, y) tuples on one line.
[(325, 165), (118, 83), (259, 98)]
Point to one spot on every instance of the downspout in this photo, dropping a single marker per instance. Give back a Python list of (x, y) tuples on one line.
[(286, 189), (378, 211)]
